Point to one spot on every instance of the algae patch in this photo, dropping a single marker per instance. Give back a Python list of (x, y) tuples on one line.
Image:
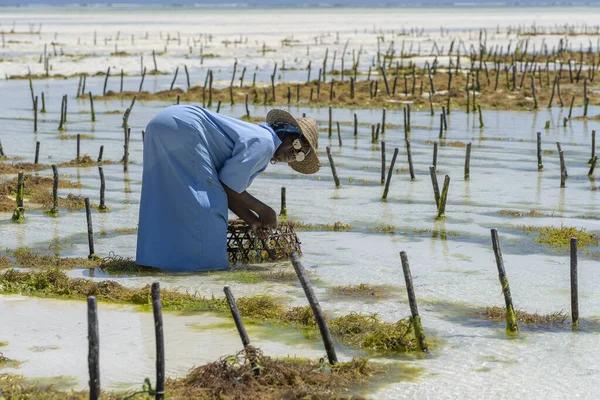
[(364, 290), (498, 314), (559, 238)]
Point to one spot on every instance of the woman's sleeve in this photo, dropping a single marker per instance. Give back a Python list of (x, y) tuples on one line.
[(249, 159)]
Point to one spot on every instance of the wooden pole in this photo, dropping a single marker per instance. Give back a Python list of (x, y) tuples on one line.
[(355, 125), (435, 153), (54, 210), (468, 162), (316, 308), (78, 146), (539, 151), (35, 113), (100, 154), (563, 169), (410, 163), (574, 291), (235, 313), (382, 162), (90, 230), (339, 133), (593, 147), (389, 175), (93, 348), (415, 319), (444, 198), (106, 81), (333, 170), (283, 211), (92, 107), (19, 213), (511, 319), (102, 206), (436, 187), (37, 153), (594, 161), (330, 123), (160, 342)]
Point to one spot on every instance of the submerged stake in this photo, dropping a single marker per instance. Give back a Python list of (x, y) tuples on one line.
[(410, 163), (160, 341), (435, 184), (539, 151), (333, 170), (415, 319), (315, 307), (19, 213), (511, 319), (235, 313), (102, 206), (574, 293), (283, 211), (54, 210), (93, 348), (382, 162), (444, 198), (389, 175), (468, 162), (90, 230)]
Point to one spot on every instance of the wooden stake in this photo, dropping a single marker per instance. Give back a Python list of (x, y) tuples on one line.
[(468, 162), (106, 81), (594, 161), (574, 291), (435, 153), (121, 89), (92, 107), (54, 210), (100, 154), (78, 146), (339, 133), (333, 170), (593, 147), (355, 125), (389, 175), (316, 308), (35, 113), (187, 76), (90, 230), (539, 151), (37, 153), (19, 213), (436, 187), (283, 211), (415, 319), (481, 125), (382, 162), (563, 169), (160, 342), (329, 124), (410, 163), (511, 319), (102, 206), (235, 313), (93, 348), (444, 198)]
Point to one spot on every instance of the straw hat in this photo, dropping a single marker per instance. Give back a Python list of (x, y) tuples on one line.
[(308, 127)]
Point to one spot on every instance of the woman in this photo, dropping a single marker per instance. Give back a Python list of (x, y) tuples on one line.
[(198, 163)]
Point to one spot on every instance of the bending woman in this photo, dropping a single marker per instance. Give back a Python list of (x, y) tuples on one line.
[(197, 164)]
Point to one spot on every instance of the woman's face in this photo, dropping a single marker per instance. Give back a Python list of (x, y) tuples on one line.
[(286, 152)]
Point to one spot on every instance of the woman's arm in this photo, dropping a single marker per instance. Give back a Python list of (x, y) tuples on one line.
[(244, 205)]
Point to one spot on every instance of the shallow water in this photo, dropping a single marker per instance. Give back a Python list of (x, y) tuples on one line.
[(451, 260)]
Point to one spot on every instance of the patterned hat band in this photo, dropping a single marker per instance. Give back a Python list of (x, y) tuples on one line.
[(284, 127)]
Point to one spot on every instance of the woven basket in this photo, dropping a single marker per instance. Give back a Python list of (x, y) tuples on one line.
[(243, 246)]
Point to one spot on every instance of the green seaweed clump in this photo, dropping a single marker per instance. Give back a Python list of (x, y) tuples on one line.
[(498, 314), (336, 226), (370, 333), (362, 290), (560, 237)]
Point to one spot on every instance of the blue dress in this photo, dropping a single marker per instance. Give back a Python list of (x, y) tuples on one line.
[(188, 152)]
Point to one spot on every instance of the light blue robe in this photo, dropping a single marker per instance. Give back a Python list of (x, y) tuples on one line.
[(188, 150)]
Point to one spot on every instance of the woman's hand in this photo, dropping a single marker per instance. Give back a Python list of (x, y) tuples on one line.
[(268, 218), (262, 233)]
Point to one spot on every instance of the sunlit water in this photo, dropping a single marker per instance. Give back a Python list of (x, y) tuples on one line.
[(452, 260)]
